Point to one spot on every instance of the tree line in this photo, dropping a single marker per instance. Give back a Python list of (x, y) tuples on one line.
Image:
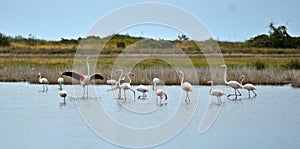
[(278, 37)]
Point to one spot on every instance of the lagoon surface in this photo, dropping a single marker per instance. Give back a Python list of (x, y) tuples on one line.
[(30, 118)]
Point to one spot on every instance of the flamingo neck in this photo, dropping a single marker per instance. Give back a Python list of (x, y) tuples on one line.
[(182, 78), (154, 86), (88, 67), (211, 86), (129, 79), (242, 81), (225, 76), (120, 76)]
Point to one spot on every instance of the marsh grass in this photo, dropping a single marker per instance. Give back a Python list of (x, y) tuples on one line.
[(270, 75)]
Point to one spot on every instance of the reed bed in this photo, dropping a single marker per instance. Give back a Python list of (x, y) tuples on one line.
[(168, 75)]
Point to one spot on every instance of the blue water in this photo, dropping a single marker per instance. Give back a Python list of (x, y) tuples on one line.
[(31, 118)]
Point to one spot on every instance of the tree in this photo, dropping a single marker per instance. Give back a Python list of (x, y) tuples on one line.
[(4, 40), (279, 36), (183, 37)]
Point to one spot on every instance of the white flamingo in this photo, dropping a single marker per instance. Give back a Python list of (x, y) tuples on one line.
[(248, 86), (126, 86), (63, 94), (44, 82), (234, 84), (111, 82), (155, 82), (215, 92), (186, 86), (143, 89), (60, 81), (159, 92), (84, 79), (118, 83)]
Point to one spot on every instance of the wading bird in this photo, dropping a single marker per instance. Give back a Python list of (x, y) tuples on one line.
[(84, 79), (126, 86), (186, 86), (234, 84), (215, 92), (159, 92), (110, 81), (143, 89), (248, 86), (118, 83), (44, 82), (60, 81), (155, 82), (63, 94)]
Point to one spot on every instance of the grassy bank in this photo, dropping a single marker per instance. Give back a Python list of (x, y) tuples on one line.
[(272, 71), (24, 58)]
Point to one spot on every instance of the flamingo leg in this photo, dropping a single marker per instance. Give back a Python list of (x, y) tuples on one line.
[(64, 99), (124, 95), (239, 93), (133, 94), (249, 93), (83, 91), (87, 90), (254, 93)]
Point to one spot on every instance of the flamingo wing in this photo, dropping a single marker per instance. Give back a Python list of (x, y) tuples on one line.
[(96, 76), (74, 75)]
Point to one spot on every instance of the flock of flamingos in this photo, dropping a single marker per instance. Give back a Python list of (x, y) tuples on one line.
[(121, 84)]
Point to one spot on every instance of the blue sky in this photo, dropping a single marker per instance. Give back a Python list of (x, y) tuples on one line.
[(231, 20)]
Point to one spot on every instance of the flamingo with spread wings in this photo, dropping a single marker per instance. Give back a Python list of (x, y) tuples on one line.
[(84, 79)]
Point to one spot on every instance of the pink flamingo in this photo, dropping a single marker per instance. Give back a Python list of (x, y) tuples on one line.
[(43, 81), (84, 79), (118, 83), (159, 92), (234, 84), (215, 92), (248, 86), (126, 86), (143, 89), (186, 86)]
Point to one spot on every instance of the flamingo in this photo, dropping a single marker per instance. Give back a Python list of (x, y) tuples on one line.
[(159, 92), (248, 86), (143, 89), (155, 82), (110, 81), (234, 84), (60, 81), (84, 79), (118, 83), (215, 92), (63, 94), (126, 86), (43, 81), (186, 86)]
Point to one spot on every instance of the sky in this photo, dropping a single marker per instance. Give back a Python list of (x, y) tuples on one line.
[(227, 20)]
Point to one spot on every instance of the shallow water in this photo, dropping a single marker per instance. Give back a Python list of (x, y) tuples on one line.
[(31, 118)]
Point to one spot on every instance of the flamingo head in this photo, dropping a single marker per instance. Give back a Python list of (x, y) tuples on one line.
[(155, 80), (87, 58), (242, 77), (119, 70), (131, 74), (223, 66), (39, 74)]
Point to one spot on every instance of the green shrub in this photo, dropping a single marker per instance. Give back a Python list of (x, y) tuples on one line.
[(260, 65), (4, 40), (293, 64)]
